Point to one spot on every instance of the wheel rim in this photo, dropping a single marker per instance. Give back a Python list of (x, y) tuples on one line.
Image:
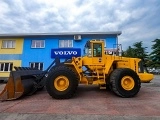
[(61, 83), (127, 83)]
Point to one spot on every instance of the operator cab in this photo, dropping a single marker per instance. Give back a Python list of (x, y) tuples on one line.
[(93, 48)]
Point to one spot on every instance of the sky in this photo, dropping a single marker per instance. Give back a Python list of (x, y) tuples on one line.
[(138, 20)]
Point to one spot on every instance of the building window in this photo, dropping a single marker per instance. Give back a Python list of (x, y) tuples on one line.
[(6, 67), (65, 43), (8, 43), (38, 44), (36, 65)]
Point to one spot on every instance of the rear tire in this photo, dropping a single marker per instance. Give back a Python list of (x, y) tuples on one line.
[(125, 82), (62, 82)]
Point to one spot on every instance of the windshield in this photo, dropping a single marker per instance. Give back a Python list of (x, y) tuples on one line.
[(97, 50), (87, 49)]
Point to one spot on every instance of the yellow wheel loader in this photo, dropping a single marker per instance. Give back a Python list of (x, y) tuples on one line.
[(121, 75)]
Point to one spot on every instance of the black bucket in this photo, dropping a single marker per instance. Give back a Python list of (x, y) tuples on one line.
[(21, 83)]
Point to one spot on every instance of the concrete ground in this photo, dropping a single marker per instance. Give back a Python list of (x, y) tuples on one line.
[(90, 103)]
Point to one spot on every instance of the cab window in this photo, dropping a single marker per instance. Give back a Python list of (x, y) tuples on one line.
[(97, 50), (87, 49)]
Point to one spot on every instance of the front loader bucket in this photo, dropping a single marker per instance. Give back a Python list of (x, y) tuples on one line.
[(21, 82)]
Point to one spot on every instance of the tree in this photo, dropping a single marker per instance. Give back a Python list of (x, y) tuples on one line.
[(137, 51), (155, 54), (140, 52), (129, 52)]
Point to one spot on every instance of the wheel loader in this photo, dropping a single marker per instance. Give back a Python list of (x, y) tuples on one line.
[(122, 75)]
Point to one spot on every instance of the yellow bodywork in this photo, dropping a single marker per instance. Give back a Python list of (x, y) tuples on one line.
[(99, 68), (145, 77)]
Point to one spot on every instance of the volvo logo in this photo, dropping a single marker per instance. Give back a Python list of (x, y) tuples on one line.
[(65, 52)]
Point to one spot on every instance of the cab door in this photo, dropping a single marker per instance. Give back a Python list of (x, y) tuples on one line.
[(97, 53)]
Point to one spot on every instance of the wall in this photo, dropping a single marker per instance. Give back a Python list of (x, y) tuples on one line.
[(17, 50), (11, 54), (44, 54), (38, 54), (15, 63)]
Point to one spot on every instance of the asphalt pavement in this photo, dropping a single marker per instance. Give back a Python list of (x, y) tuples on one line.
[(90, 103)]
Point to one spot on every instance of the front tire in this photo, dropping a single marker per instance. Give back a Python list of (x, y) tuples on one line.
[(125, 82), (62, 82)]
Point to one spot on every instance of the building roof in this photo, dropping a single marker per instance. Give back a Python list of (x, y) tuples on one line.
[(57, 34)]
